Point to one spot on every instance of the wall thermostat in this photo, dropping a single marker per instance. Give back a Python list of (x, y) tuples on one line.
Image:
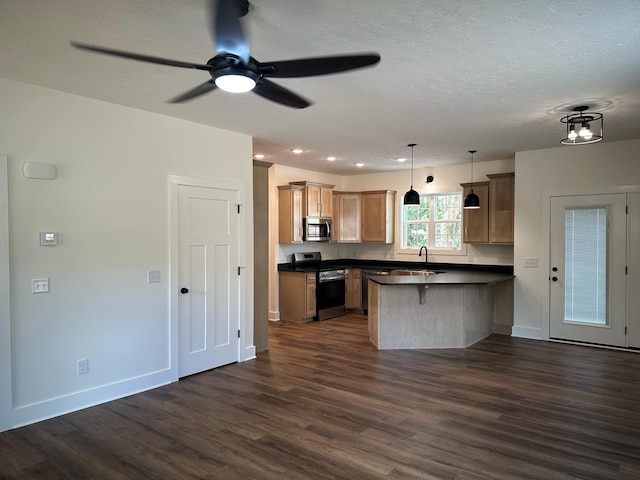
[(48, 238)]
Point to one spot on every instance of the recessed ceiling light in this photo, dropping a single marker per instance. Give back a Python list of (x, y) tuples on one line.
[(259, 156), (359, 165), (297, 151), (331, 159), (401, 160)]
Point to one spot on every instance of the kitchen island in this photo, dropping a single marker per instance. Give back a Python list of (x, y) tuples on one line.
[(445, 310)]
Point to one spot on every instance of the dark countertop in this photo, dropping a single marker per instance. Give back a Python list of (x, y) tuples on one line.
[(445, 278), (396, 265)]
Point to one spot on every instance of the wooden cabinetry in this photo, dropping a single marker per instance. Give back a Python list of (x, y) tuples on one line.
[(317, 199), (353, 289), (476, 221), (297, 296), (290, 213), (347, 208), (501, 207), (377, 216), (492, 223)]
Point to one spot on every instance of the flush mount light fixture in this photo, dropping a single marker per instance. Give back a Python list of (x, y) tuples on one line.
[(583, 127), (411, 197), (471, 201), (297, 151)]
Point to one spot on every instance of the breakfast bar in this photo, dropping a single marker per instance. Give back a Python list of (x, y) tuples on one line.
[(444, 310)]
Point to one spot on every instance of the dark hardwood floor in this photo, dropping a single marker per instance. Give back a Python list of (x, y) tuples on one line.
[(323, 403)]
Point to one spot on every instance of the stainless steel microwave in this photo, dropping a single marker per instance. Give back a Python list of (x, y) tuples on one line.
[(317, 229)]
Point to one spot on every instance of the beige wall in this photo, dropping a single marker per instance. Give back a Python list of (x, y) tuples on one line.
[(110, 205)]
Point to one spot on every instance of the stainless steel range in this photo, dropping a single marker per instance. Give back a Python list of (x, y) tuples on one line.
[(329, 285)]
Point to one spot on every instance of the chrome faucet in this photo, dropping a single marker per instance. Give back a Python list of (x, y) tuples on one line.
[(426, 260)]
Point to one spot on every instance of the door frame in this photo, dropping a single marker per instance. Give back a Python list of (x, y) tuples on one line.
[(7, 419), (246, 350), (545, 257)]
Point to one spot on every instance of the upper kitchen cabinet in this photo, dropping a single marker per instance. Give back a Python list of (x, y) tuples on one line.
[(377, 216), (501, 207), (290, 213), (476, 220), (492, 223), (347, 207), (317, 199)]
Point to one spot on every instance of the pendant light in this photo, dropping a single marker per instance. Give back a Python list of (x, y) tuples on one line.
[(411, 197), (472, 200)]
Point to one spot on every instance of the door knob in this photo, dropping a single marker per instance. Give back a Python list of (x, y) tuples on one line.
[(555, 279), (184, 290), (555, 269)]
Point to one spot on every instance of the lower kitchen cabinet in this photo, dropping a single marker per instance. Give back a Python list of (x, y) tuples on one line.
[(353, 289), (297, 296)]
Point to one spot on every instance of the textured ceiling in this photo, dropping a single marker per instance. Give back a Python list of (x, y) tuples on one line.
[(455, 75)]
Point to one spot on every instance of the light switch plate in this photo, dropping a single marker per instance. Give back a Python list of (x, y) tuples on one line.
[(530, 263), (39, 285), (153, 276), (48, 239)]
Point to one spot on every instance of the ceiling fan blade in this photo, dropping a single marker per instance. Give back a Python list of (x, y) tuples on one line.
[(228, 33), (137, 56), (307, 67), (271, 91), (206, 87)]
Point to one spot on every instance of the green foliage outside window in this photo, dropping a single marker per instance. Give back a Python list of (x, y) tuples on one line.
[(434, 223)]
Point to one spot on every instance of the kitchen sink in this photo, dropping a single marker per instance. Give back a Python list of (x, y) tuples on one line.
[(415, 272)]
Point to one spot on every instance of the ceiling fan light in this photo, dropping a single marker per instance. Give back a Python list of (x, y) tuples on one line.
[(235, 83)]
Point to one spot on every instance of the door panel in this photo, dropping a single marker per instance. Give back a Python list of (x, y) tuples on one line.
[(587, 271), (208, 242), (633, 278)]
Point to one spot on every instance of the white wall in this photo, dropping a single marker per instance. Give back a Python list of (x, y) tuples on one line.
[(569, 169), (110, 206)]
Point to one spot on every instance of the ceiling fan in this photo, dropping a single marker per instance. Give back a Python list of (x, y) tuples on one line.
[(234, 69)]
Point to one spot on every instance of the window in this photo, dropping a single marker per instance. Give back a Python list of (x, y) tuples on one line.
[(436, 222)]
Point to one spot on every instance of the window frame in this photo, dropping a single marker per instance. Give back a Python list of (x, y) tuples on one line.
[(433, 251)]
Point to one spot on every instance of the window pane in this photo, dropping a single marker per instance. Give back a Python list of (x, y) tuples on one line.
[(448, 235), (447, 207), (585, 263), (417, 234)]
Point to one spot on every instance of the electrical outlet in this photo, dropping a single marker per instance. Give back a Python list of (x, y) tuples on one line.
[(39, 285), (530, 263), (83, 366)]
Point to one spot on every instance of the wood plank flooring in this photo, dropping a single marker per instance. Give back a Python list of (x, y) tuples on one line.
[(323, 403)]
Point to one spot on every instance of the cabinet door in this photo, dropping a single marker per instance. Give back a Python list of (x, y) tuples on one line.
[(289, 214), (501, 208), (356, 288), (349, 217), (314, 201), (310, 295), (476, 221), (326, 202), (374, 217)]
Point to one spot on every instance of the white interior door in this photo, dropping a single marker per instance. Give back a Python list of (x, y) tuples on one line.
[(587, 271), (208, 251), (633, 277)]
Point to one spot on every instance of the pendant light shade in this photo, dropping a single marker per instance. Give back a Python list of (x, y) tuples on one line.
[(411, 197), (471, 201)]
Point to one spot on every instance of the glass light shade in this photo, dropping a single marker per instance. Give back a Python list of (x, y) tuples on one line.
[(235, 83), (585, 132)]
